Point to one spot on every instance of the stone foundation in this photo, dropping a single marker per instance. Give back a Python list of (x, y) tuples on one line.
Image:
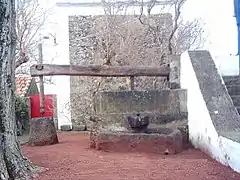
[(164, 141)]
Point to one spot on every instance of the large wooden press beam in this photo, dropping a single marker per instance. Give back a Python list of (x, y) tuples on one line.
[(99, 70)]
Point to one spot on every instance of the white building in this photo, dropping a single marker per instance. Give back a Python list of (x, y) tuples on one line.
[(220, 31)]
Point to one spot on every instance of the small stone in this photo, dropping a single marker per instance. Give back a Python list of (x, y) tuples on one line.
[(79, 128), (66, 127)]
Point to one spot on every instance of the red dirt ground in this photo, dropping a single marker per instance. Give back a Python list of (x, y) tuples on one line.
[(71, 159)]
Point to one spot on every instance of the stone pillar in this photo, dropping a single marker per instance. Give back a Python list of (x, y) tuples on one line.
[(55, 112), (175, 66)]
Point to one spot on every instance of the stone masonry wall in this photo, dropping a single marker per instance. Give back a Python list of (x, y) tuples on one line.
[(123, 40), (163, 106)]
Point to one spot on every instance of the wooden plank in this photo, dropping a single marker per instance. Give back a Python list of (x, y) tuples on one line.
[(99, 70), (132, 83)]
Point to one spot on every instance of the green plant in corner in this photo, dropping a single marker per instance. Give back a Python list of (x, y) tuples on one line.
[(22, 114)]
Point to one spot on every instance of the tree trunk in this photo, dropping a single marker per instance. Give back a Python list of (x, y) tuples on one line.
[(3, 169), (13, 165)]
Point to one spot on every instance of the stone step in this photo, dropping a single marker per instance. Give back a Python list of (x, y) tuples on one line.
[(233, 135), (231, 80), (233, 89), (238, 109), (236, 100)]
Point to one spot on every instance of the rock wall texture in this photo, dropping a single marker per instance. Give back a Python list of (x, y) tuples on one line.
[(164, 106), (139, 142), (120, 40)]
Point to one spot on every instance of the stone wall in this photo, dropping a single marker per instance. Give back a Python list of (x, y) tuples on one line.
[(123, 40), (163, 106)]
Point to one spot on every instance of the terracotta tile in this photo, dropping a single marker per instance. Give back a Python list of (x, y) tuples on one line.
[(22, 84)]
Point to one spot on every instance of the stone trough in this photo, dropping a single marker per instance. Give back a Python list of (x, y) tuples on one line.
[(153, 139), (138, 121)]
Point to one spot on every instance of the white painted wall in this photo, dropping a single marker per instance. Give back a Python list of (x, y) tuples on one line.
[(232, 149), (217, 42), (201, 129), (220, 31)]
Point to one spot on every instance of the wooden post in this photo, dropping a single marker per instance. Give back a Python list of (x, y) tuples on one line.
[(41, 84), (132, 83)]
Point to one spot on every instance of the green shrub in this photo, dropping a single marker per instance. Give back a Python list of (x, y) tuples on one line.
[(22, 114)]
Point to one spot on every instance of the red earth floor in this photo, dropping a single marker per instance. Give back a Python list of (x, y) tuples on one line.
[(71, 159)]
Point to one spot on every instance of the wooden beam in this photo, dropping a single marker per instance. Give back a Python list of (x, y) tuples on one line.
[(99, 70), (132, 83)]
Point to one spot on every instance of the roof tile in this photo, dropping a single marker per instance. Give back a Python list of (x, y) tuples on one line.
[(22, 84)]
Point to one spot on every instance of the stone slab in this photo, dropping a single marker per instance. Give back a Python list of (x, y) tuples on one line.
[(120, 119), (236, 100), (79, 128), (161, 101), (65, 127), (231, 80), (233, 89)]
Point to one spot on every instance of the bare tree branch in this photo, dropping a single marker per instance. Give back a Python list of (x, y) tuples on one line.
[(23, 58), (177, 7), (183, 36), (150, 6), (30, 19)]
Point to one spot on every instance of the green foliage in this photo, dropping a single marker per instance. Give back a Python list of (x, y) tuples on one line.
[(21, 108), (22, 114)]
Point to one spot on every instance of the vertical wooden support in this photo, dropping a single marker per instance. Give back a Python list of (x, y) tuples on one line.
[(132, 83), (41, 84)]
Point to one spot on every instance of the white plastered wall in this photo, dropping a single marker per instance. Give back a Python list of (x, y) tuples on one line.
[(202, 132)]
